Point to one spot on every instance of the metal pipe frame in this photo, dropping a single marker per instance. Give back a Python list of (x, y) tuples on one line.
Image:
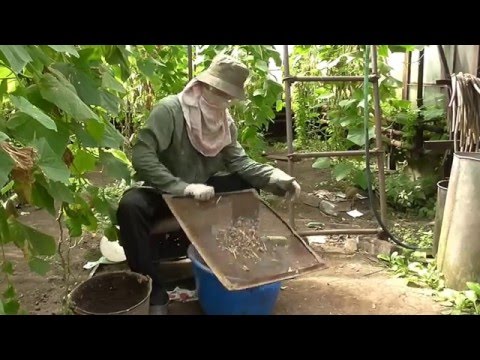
[(378, 138), (340, 232), (292, 156), (296, 157), (291, 79), (443, 58), (288, 115), (320, 154)]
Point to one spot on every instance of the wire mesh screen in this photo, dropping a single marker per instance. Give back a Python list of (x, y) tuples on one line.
[(242, 240)]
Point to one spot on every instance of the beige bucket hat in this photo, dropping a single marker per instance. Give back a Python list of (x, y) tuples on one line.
[(227, 74)]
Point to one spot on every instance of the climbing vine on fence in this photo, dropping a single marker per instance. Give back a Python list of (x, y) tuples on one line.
[(332, 113)]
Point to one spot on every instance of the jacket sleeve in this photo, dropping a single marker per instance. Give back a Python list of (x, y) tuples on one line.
[(154, 138), (260, 176)]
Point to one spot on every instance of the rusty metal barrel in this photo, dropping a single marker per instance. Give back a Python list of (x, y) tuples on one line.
[(458, 256), (442, 187), (112, 293)]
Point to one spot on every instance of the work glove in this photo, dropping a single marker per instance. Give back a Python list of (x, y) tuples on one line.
[(200, 192), (282, 184), (294, 192)]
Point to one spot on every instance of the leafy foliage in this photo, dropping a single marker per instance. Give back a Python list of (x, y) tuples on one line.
[(69, 110), (332, 113), (420, 271), (56, 112)]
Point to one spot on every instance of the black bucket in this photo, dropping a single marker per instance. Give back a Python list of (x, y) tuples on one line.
[(113, 293), (442, 187)]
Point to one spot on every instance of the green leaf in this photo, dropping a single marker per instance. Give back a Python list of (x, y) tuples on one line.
[(95, 129), (40, 60), (52, 166), (39, 57), (279, 105), (3, 136), (39, 266), (101, 134), (430, 114), (42, 198), (60, 191), (321, 163), (100, 204), (342, 170), (80, 214), (65, 98), (6, 73), (25, 129), (403, 104), (357, 135), (119, 154), (347, 103), (83, 136), (105, 207), (146, 67), (3, 89), (401, 48), (118, 55), (2, 310), (69, 49), (16, 56), (112, 138), (259, 92), (25, 106), (248, 132), (7, 267), (258, 50), (349, 121), (41, 243), (114, 167), (11, 307), (109, 102), (383, 50), (83, 162), (261, 65), (111, 233), (471, 295), (32, 94), (74, 226), (10, 292), (88, 88), (360, 179), (475, 287), (149, 48), (6, 165), (5, 236), (7, 187), (109, 82), (413, 282)]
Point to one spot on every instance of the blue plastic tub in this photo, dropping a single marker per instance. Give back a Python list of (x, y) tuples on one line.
[(215, 299)]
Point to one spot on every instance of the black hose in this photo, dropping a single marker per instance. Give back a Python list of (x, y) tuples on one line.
[(367, 159)]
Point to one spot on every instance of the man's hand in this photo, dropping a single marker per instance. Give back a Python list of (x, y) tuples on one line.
[(294, 192), (200, 192), (282, 184)]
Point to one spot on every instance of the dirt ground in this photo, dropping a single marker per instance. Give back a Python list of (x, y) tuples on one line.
[(352, 283)]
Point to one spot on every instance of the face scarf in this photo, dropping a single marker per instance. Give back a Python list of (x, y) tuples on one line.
[(207, 119)]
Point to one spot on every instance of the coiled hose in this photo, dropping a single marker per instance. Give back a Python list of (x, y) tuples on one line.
[(367, 157)]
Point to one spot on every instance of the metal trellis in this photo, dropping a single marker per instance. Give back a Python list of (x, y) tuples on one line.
[(379, 152)]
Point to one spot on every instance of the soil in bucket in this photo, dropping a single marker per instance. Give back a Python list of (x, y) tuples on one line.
[(112, 293)]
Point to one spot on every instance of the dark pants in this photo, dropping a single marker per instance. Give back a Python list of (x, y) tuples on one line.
[(138, 211)]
